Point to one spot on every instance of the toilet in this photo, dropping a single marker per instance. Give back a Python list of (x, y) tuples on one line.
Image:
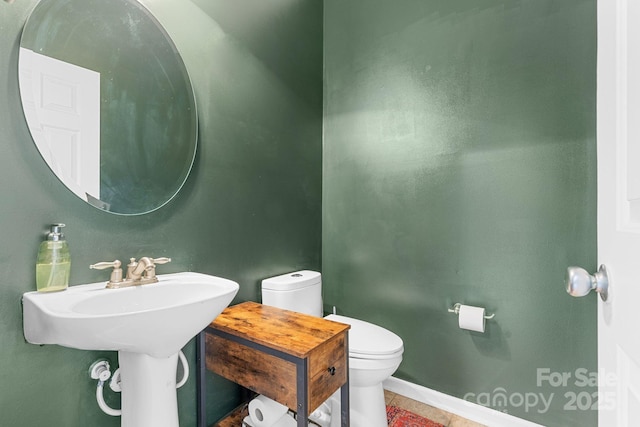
[(374, 352)]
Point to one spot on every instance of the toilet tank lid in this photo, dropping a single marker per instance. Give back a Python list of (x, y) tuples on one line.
[(367, 338), (291, 281)]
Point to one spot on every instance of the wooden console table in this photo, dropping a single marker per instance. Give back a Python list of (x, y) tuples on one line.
[(295, 359)]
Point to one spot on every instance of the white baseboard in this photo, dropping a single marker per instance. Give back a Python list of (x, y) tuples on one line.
[(471, 411)]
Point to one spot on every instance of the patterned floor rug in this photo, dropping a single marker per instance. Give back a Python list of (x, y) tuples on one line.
[(397, 417)]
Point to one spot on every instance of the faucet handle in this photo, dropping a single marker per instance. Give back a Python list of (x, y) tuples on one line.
[(116, 274), (103, 265), (150, 272)]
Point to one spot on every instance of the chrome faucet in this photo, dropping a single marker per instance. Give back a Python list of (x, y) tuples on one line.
[(140, 272)]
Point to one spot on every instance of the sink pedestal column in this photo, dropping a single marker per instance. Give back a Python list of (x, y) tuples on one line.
[(149, 397)]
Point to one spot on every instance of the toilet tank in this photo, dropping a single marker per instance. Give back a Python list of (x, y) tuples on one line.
[(299, 291)]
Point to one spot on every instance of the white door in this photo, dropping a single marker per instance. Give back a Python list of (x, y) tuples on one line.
[(62, 106), (619, 211)]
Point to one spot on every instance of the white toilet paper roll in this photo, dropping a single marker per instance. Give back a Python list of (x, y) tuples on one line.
[(471, 318), (286, 420), (265, 412)]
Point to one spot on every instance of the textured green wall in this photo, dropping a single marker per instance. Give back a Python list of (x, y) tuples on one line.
[(250, 209), (459, 166)]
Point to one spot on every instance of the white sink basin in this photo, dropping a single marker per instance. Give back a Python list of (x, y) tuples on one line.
[(156, 319)]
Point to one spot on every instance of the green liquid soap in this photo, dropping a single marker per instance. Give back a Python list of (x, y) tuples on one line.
[(52, 277)]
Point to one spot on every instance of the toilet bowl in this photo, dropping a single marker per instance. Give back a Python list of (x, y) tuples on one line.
[(374, 355), (374, 352)]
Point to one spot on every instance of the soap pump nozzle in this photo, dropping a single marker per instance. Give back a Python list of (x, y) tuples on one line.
[(56, 232)]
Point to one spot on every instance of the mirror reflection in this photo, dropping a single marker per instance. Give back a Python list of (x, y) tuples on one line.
[(108, 102)]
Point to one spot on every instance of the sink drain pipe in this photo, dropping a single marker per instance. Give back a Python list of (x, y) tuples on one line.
[(185, 369), (101, 371)]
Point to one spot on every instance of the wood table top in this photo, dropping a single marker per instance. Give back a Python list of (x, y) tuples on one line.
[(283, 330)]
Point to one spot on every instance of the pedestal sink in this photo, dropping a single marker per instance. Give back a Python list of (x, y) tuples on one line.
[(147, 325)]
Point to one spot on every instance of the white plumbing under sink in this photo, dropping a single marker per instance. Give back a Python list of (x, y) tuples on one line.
[(147, 325)]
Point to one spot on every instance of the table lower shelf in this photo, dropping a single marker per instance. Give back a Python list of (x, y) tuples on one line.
[(234, 419)]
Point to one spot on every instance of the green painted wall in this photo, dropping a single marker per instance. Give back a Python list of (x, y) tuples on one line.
[(459, 166), (250, 209)]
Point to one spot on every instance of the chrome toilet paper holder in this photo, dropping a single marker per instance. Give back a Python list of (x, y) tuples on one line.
[(456, 309)]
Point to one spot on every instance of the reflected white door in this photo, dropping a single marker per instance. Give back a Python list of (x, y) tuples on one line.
[(619, 211), (62, 108)]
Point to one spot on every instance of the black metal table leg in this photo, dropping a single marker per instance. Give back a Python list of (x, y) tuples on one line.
[(302, 392), (344, 393), (201, 390)]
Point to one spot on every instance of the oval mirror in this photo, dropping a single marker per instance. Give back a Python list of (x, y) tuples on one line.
[(108, 102)]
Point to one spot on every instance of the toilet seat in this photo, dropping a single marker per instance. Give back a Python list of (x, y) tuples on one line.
[(369, 341)]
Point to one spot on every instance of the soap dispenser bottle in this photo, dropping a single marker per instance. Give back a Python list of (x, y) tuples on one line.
[(54, 262)]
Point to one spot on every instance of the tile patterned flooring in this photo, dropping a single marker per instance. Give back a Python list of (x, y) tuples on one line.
[(434, 414)]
